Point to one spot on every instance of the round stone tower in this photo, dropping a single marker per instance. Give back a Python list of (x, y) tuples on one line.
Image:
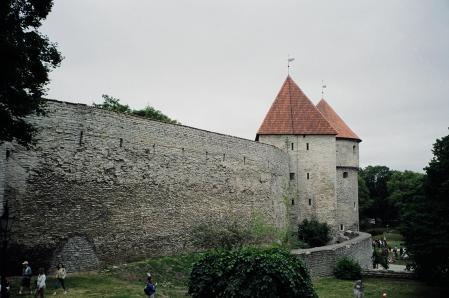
[(295, 125), (347, 165)]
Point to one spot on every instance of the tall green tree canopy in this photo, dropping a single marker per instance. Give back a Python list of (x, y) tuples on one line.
[(377, 206), (425, 218), (26, 57), (113, 104)]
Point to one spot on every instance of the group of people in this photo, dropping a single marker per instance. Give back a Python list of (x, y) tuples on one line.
[(61, 273), (39, 289)]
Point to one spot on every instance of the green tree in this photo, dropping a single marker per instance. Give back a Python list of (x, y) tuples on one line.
[(26, 57), (404, 186), (313, 232), (425, 223), (376, 179), (365, 201), (113, 104)]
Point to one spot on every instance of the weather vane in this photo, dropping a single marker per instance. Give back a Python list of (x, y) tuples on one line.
[(288, 64), (322, 89)]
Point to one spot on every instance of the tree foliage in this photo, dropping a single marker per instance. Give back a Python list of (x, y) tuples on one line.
[(314, 233), (113, 104), (348, 269), (250, 272), (26, 57), (425, 223), (383, 192)]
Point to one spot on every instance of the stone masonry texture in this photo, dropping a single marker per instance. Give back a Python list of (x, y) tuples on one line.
[(313, 165), (321, 261), (102, 188)]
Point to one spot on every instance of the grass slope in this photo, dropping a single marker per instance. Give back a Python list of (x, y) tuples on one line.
[(171, 274)]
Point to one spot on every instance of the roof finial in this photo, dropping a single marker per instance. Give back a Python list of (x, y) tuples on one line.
[(288, 63), (322, 89)]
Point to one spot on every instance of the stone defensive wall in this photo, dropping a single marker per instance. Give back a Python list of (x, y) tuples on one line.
[(101, 187), (321, 260)]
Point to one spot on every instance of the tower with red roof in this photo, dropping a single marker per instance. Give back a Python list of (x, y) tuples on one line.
[(317, 141)]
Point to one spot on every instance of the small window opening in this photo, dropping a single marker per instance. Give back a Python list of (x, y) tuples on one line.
[(8, 153), (293, 202), (81, 138), (292, 176), (121, 142), (310, 202), (354, 205), (353, 148), (292, 146), (345, 174), (244, 160), (308, 176), (342, 227), (224, 156), (307, 146)]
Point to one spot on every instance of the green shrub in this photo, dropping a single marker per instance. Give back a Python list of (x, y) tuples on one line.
[(348, 269), (314, 233), (224, 234), (230, 233), (250, 272)]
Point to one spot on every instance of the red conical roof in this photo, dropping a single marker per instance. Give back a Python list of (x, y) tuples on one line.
[(292, 113), (342, 128)]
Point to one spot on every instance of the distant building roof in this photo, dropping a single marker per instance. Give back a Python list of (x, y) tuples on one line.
[(292, 113), (342, 128)]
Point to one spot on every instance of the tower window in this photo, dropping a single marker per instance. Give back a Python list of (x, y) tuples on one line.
[(345, 174), (293, 202), (292, 146), (353, 148), (308, 176), (342, 227), (310, 202), (354, 206), (292, 176), (121, 142), (307, 146)]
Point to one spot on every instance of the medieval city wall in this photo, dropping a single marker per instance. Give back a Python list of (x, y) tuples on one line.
[(102, 187), (321, 261)]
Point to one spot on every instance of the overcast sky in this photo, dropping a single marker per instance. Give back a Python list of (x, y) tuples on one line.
[(218, 65)]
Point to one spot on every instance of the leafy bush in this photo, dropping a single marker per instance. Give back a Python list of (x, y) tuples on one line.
[(224, 234), (229, 233), (250, 272), (314, 233), (348, 269)]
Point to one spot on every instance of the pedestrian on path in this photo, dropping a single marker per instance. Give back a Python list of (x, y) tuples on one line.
[(60, 278), (27, 273)]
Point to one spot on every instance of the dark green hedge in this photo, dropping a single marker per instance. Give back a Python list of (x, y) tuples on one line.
[(314, 233), (348, 269), (250, 272)]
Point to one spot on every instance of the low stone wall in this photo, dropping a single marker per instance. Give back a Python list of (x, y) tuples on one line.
[(321, 260)]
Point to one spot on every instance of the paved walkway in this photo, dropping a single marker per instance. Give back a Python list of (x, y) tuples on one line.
[(392, 267)]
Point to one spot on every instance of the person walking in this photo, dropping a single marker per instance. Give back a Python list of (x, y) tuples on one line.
[(150, 288), (40, 284), (60, 278), (27, 273), (358, 289)]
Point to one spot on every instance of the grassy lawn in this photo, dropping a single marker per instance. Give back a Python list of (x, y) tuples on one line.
[(171, 274), (374, 287)]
